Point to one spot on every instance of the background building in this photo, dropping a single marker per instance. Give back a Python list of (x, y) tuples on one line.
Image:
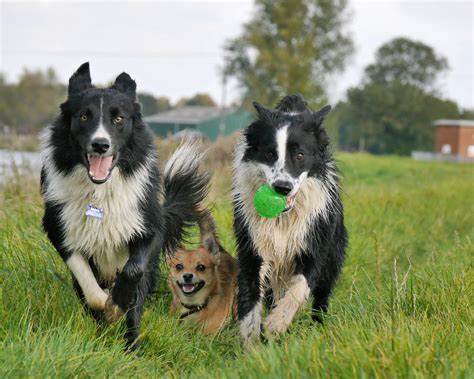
[(455, 138), (210, 122)]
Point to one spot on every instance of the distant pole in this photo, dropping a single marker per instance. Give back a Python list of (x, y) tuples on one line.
[(222, 110)]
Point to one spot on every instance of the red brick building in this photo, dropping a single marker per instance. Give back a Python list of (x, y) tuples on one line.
[(455, 138)]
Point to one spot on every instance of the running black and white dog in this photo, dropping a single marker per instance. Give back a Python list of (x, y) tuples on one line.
[(286, 259), (102, 189)]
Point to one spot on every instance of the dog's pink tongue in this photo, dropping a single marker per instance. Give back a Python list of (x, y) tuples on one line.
[(188, 287), (100, 166)]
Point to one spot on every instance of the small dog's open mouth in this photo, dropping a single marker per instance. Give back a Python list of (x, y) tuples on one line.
[(290, 202), (100, 167), (190, 288)]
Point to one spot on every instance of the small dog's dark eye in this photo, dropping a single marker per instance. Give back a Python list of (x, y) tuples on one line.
[(299, 156), (200, 267), (179, 267), (83, 117), (117, 120)]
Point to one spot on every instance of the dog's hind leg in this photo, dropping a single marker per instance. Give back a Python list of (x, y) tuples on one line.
[(320, 303), (322, 290), (325, 279)]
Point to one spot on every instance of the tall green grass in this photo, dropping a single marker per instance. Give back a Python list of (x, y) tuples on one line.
[(403, 307)]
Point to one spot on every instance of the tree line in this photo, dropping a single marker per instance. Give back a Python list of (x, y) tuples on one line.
[(389, 112), (291, 46), (33, 102)]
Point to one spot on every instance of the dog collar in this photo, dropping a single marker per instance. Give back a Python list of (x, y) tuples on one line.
[(193, 308)]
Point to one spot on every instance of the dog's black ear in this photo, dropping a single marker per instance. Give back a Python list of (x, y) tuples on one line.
[(315, 119), (80, 80), (321, 114), (124, 83), (262, 111), (323, 139), (314, 125)]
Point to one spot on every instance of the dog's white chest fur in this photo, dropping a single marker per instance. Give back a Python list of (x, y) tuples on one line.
[(104, 240), (279, 240)]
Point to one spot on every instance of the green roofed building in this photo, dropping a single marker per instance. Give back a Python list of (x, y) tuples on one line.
[(211, 122)]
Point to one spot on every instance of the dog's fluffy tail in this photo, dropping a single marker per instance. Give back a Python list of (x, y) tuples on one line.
[(184, 191)]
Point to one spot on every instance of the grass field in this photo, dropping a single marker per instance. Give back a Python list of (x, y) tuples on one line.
[(403, 307)]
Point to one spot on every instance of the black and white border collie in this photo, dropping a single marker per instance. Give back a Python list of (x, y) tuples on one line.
[(284, 260), (102, 189)]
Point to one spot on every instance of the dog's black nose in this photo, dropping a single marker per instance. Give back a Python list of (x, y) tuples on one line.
[(100, 145), (188, 277), (282, 187)]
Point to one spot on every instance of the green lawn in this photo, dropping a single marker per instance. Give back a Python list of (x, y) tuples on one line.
[(403, 307)]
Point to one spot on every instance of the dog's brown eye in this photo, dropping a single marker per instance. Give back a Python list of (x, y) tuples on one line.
[(179, 267), (299, 156), (83, 117), (117, 120), (200, 267)]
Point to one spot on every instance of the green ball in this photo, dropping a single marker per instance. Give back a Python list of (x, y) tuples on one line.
[(268, 203)]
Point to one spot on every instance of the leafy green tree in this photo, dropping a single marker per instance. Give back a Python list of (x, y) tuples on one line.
[(31, 103), (408, 62), (392, 111), (164, 103), (390, 119), (202, 99), (148, 103), (289, 46), (8, 98), (467, 114), (151, 104)]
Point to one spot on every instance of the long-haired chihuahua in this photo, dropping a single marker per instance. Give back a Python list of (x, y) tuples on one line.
[(203, 280)]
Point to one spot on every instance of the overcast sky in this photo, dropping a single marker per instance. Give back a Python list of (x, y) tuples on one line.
[(174, 48)]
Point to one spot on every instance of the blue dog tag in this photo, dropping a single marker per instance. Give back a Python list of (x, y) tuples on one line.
[(92, 211)]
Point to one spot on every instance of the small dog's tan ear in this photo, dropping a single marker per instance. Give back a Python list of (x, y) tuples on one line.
[(208, 232), (211, 245)]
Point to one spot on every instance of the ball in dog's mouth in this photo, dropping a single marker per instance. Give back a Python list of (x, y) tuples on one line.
[(100, 167), (190, 288)]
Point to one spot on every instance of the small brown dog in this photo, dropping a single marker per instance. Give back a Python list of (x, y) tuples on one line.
[(203, 281)]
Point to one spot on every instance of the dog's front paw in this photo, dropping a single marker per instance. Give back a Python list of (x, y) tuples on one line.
[(97, 302), (112, 312), (277, 322), (251, 343), (251, 336)]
